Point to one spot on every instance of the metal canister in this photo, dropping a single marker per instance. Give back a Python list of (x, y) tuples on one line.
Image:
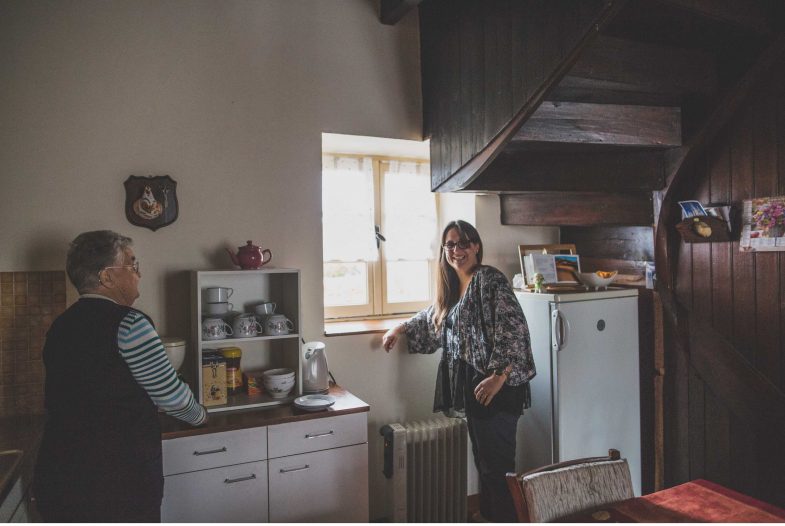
[(234, 374), (213, 379)]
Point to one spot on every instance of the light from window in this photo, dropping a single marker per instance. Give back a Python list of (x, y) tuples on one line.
[(363, 276)]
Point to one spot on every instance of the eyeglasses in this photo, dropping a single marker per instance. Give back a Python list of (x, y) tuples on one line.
[(135, 267), (450, 246)]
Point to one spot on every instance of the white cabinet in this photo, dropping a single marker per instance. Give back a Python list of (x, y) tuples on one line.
[(313, 470), (228, 494), (214, 450), (319, 470), (216, 477), (318, 434), (250, 288)]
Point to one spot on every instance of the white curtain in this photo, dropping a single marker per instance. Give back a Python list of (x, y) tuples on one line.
[(409, 220), (347, 209)]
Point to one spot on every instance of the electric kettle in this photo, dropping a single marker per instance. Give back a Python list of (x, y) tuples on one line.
[(315, 373)]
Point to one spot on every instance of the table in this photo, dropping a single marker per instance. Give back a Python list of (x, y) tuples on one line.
[(696, 501)]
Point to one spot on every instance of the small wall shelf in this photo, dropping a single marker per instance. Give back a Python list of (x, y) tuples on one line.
[(703, 229)]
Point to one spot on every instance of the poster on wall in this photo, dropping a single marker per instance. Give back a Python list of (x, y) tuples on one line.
[(763, 224), (151, 201)]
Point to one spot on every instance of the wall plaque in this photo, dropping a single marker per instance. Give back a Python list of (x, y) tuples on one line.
[(151, 201)]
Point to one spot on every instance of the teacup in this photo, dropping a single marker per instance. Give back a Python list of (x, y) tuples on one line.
[(217, 309), (218, 294), (215, 329), (277, 324), (246, 326), (266, 308)]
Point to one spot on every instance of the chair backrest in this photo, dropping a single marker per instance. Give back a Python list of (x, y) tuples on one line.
[(562, 489)]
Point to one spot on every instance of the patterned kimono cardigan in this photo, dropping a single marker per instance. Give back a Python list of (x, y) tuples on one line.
[(486, 329)]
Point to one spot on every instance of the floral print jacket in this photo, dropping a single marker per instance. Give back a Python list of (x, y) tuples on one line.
[(489, 329)]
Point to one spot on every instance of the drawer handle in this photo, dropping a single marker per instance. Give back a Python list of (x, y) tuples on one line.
[(210, 452), (241, 479), (295, 469), (317, 435)]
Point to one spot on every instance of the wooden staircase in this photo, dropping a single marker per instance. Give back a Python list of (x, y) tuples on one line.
[(593, 100), (594, 116)]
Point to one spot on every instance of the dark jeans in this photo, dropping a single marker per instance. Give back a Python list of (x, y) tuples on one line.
[(493, 446)]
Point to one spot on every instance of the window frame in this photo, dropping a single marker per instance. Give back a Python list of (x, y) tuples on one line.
[(377, 306)]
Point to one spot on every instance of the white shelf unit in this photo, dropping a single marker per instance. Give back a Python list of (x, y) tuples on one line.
[(251, 287)]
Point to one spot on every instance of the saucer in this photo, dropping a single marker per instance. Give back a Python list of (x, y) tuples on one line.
[(315, 402)]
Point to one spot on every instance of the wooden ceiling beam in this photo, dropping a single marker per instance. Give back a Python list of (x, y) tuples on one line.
[(576, 208), (559, 171), (610, 124), (392, 11)]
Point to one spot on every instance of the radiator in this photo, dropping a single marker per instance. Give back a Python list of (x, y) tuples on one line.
[(427, 464)]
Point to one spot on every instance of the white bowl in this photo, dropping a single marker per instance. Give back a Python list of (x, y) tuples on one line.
[(590, 279), (175, 350), (279, 373), (278, 387)]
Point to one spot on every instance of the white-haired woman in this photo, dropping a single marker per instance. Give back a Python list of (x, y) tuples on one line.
[(106, 377), (486, 360)]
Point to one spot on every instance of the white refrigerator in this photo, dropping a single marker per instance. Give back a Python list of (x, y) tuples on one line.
[(586, 395)]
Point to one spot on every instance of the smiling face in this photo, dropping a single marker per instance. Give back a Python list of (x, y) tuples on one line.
[(460, 254)]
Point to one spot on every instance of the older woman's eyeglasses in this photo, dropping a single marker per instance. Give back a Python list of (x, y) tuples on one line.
[(450, 246), (135, 267)]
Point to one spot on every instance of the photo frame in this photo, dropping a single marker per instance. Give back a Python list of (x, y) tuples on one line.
[(556, 249)]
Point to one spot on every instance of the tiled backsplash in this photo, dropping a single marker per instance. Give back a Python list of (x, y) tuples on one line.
[(29, 301)]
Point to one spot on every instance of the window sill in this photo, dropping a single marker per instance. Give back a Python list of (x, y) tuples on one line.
[(370, 326)]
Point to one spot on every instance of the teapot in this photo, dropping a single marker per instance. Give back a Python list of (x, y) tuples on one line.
[(250, 257)]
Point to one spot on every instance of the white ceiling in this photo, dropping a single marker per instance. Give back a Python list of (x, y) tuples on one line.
[(358, 144)]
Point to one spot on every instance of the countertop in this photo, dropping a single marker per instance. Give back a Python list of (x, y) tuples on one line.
[(345, 403)]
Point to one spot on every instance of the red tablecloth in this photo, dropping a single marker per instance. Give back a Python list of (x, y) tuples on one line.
[(696, 501)]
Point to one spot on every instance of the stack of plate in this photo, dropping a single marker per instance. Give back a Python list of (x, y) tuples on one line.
[(314, 402)]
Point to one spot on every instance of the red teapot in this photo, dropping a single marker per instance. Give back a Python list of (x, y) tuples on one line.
[(250, 257)]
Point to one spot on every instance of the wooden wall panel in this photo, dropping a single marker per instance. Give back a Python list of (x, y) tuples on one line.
[(743, 283), (767, 316), (742, 298), (717, 450)]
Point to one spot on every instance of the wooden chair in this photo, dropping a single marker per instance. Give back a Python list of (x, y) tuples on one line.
[(558, 490)]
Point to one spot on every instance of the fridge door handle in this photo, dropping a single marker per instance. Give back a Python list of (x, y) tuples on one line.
[(559, 330)]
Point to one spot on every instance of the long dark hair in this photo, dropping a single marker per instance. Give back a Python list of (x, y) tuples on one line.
[(448, 287)]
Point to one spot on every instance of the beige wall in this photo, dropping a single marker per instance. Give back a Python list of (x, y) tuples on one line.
[(229, 98), (500, 243)]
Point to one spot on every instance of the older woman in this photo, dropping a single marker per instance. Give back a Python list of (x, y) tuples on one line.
[(106, 376), (486, 360)]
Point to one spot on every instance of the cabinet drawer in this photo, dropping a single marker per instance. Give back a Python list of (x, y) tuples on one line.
[(314, 435), (230, 494), (181, 455), (324, 486)]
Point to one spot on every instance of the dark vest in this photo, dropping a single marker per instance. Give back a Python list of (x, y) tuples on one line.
[(102, 439)]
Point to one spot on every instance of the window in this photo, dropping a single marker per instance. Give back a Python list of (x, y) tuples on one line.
[(380, 235)]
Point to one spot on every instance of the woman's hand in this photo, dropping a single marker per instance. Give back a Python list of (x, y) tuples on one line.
[(390, 337), (487, 389)]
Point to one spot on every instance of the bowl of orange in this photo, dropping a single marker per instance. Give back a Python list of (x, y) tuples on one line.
[(597, 280)]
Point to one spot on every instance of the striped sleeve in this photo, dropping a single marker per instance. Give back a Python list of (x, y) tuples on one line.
[(143, 352)]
